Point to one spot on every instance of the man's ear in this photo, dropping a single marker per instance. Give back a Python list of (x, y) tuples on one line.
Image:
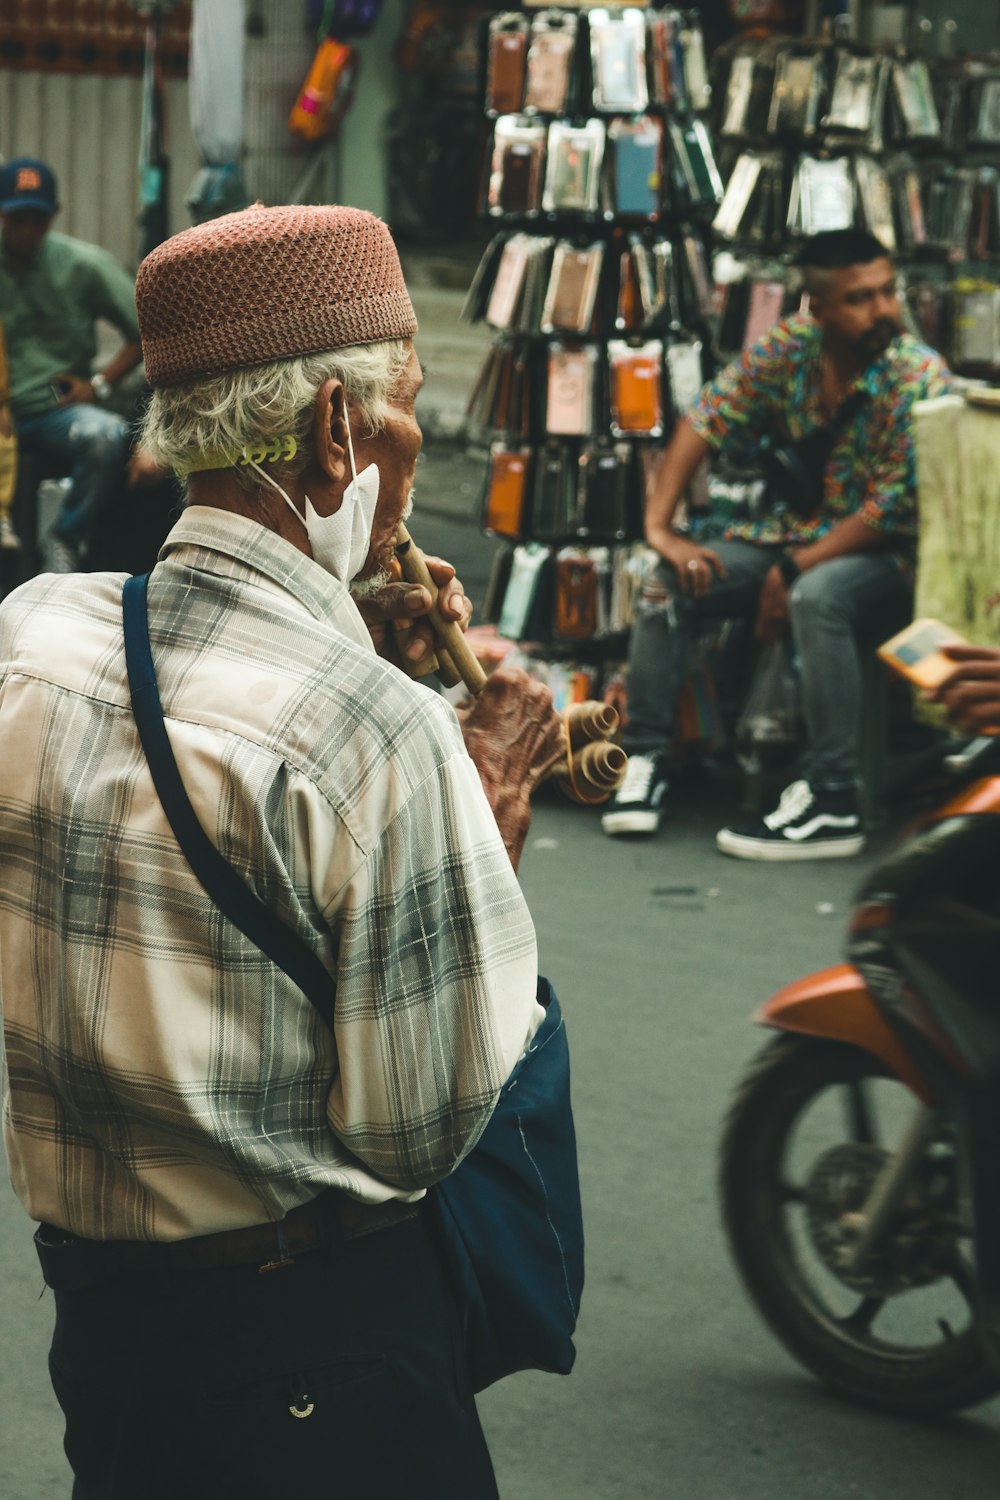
[(330, 429)]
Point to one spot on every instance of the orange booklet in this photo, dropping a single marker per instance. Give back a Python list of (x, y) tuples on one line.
[(917, 655)]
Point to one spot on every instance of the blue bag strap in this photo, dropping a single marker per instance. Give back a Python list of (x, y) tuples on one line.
[(217, 877)]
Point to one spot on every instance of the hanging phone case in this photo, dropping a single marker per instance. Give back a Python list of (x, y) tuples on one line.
[(553, 501), (576, 601), (517, 166), (506, 54), (636, 157), (507, 491), (548, 82), (618, 60), (636, 388), (572, 288), (570, 391), (602, 499), (573, 168), (507, 287)]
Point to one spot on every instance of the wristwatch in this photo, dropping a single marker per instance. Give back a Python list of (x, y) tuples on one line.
[(788, 568), (101, 386)]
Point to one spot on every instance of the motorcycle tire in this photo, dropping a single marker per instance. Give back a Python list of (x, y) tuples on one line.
[(787, 1077)]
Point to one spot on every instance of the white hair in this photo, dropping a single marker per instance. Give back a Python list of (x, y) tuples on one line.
[(250, 408)]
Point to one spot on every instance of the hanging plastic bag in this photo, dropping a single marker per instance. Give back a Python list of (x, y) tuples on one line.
[(327, 92), (771, 719)]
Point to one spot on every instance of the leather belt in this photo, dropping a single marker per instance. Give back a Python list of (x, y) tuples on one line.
[(328, 1220)]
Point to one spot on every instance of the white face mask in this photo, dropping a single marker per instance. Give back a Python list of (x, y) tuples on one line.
[(340, 543)]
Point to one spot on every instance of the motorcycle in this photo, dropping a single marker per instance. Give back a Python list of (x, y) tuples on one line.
[(860, 1162)]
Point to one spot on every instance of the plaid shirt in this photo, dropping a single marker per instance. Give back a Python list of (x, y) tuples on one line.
[(162, 1079), (775, 389)]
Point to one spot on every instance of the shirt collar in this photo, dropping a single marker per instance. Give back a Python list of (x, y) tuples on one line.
[(233, 545)]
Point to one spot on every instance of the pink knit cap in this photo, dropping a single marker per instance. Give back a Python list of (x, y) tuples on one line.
[(266, 284)]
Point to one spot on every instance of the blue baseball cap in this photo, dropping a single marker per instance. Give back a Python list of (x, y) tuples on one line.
[(26, 183)]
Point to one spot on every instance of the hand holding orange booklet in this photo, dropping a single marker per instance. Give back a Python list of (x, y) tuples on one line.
[(917, 654)]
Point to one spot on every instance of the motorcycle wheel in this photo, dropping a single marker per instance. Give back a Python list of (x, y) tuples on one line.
[(860, 1342)]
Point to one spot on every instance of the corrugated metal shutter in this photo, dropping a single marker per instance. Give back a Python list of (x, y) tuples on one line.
[(87, 129)]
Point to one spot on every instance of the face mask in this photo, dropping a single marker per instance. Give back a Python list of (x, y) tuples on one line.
[(340, 542)]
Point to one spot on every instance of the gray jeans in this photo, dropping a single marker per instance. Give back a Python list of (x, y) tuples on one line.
[(833, 606)]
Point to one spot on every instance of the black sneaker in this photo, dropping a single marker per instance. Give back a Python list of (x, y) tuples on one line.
[(635, 807), (804, 825)]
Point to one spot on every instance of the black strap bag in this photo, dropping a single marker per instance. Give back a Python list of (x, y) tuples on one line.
[(508, 1221), (795, 472)]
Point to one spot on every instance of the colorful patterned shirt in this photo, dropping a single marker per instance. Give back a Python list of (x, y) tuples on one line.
[(774, 391), (162, 1079)]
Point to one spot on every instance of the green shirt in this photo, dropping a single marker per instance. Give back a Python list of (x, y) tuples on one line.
[(49, 312)]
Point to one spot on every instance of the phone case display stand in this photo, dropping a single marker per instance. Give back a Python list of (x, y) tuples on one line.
[(601, 181), (815, 136)]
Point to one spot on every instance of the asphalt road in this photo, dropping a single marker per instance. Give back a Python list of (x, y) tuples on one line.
[(660, 950)]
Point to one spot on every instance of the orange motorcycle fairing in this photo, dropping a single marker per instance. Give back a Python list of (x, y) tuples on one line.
[(835, 1004)]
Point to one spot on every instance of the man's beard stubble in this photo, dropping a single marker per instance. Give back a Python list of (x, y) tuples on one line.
[(367, 587), (878, 338)]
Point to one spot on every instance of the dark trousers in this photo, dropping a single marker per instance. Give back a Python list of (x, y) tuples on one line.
[(340, 1375), (832, 607)]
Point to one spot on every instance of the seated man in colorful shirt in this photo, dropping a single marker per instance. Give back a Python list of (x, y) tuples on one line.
[(831, 575)]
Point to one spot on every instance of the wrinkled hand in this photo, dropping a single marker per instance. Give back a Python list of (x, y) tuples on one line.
[(397, 615), (971, 695), (514, 737), (72, 390), (772, 609), (695, 566)]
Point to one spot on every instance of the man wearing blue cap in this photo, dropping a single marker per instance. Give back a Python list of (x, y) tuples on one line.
[(53, 289)]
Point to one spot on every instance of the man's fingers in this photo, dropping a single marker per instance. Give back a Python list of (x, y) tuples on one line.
[(715, 560), (967, 653), (396, 601)]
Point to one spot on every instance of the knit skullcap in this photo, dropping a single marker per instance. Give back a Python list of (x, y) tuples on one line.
[(267, 284)]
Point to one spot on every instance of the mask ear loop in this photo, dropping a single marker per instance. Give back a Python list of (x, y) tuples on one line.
[(276, 486), (350, 446)]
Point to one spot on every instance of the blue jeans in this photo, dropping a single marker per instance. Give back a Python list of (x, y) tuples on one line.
[(87, 445), (863, 597)]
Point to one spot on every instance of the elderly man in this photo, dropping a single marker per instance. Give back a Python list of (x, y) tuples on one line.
[(246, 1301), (830, 563), (53, 290)]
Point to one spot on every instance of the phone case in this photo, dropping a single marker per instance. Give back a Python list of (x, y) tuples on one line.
[(549, 62), (629, 308), (603, 495), (517, 166), (699, 91), (637, 150), (524, 586), (552, 506), (767, 300), (576, 602), (659, 46), (636, 388), (507, 491), (506, 55), (509, 282), (569, 408), (573, 168), (618, 61), (481, 287), (572, 289), (684, 367)]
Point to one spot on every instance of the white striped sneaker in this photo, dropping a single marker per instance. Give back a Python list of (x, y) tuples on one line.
[(806, 824), (635, 807)]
